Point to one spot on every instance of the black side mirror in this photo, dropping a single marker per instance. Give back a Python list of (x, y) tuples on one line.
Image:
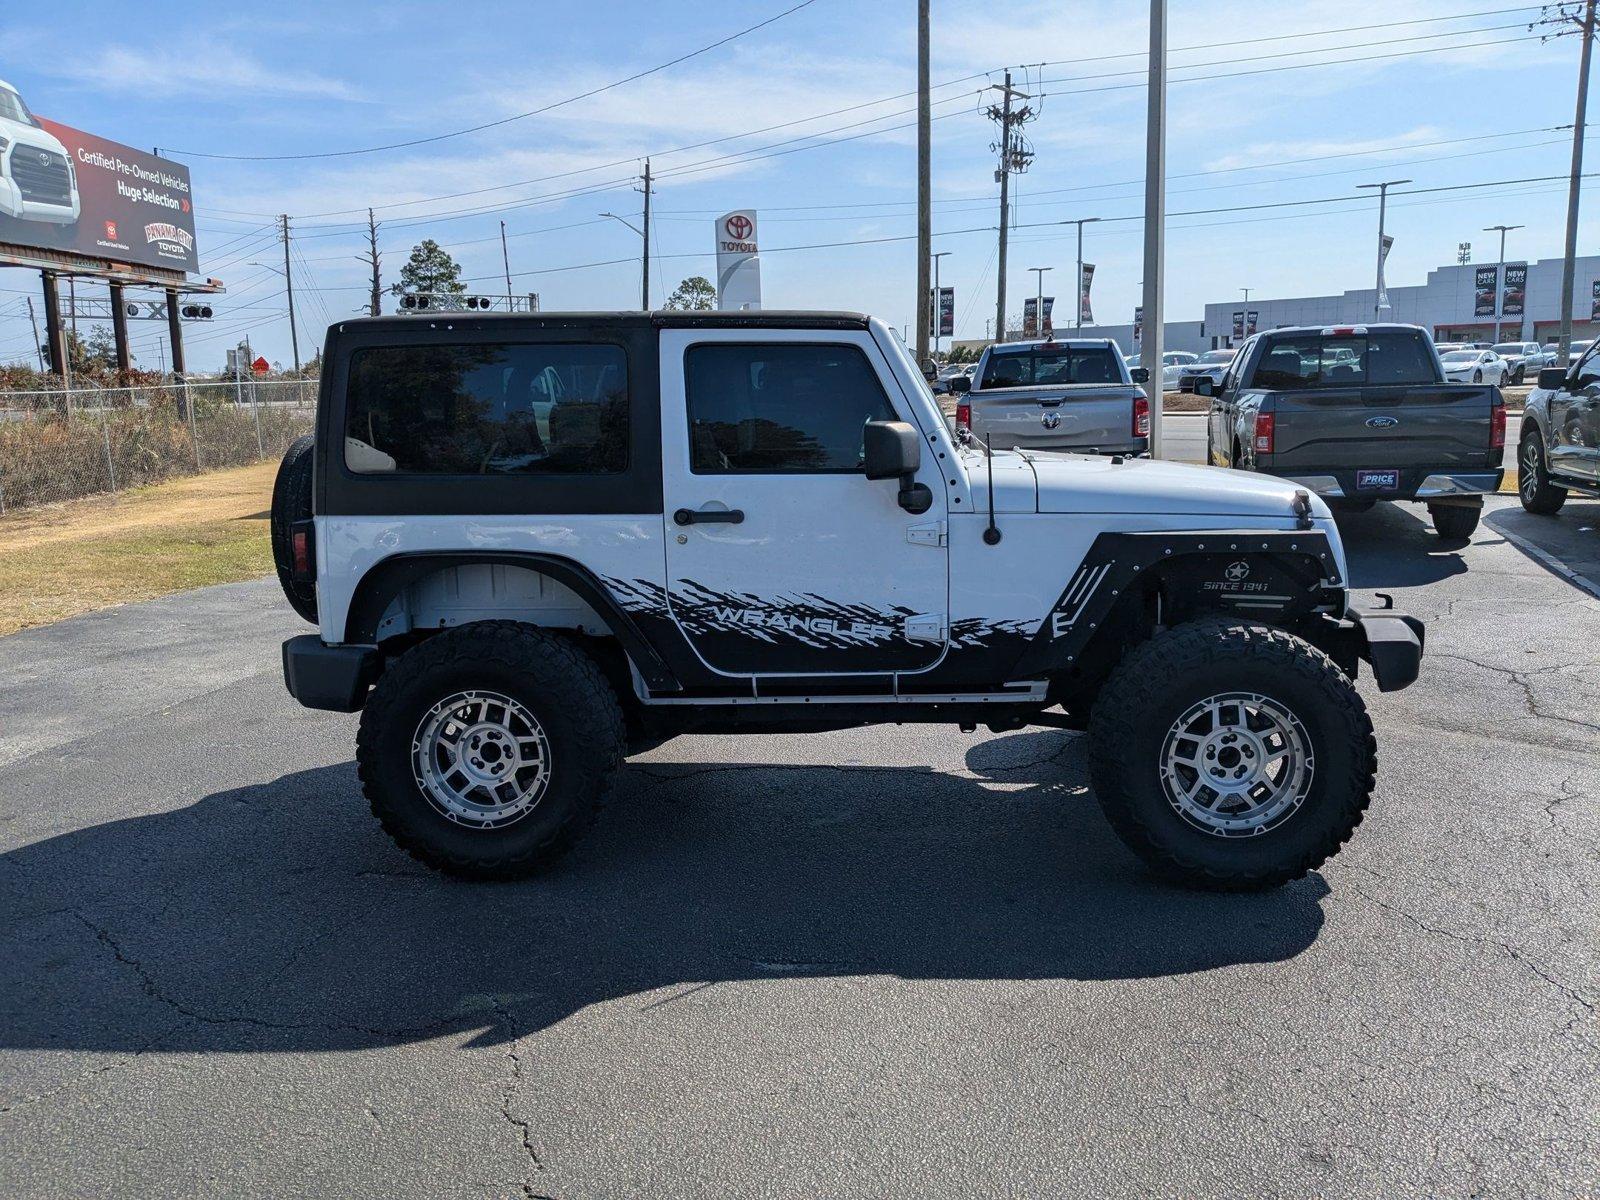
[(1140, 374), (1205, 386), (960, 383), (1553, 378), (893, 450)]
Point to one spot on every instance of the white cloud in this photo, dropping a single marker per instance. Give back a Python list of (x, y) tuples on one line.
[(204, 68)]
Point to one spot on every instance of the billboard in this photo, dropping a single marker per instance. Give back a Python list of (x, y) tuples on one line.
[(738, 261), (65, 190)]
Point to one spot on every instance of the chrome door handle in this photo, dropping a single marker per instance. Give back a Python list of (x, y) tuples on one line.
[(687, 516)]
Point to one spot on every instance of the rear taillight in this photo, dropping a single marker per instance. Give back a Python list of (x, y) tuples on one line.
[(303, 551), (963, 416), (1497, 425), (1141, 416), (1264, 433)]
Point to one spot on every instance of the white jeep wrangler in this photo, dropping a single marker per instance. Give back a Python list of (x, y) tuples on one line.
[(536, 543)]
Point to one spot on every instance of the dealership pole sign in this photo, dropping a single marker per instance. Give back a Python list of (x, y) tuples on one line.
[(1085, 312), (1251, 316), (1385, 244), (738, 261), (74, 193), (1238, 323), (1030, 318)]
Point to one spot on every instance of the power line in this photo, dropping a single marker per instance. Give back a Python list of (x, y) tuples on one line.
[(554, 104)]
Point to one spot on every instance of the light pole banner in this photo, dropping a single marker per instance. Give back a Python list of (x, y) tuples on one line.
[(1594, 307), (1030, 318), (1238, 323), (1484, 281), (738, 261), (942, 313), (1138, 323), (1385, 244), (1514, 297), (1250, 319), (1048, 328), (1085, 313)]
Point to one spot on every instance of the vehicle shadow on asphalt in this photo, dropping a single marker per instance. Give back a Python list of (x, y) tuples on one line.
[(277, 917), (1393, 545)]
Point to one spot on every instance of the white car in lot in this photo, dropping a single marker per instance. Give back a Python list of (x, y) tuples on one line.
[(37, 179), (1474, 366), (1172, 364)]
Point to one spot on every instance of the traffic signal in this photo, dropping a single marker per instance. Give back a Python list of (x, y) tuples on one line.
[(195, 312)]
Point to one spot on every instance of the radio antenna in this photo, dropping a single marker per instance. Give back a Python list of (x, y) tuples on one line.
[(991, 535)]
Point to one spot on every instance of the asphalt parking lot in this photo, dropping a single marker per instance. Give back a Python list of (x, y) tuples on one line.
[(893, 961)]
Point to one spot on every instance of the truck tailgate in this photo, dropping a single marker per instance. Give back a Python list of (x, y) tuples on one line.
[(1434, 425), (1084, 415)]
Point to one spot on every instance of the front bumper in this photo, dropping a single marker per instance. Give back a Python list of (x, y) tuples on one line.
[(1415, 483), (1389, 641), (335, 678)]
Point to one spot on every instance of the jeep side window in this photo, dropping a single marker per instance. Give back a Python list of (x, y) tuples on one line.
[(778, 408), (487, 409)]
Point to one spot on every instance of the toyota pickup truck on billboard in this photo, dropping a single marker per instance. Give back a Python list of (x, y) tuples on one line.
[(66, 190)]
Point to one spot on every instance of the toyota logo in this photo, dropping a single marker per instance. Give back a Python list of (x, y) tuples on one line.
[(1237, 571), (1382, 422), (44, 156), (739, 227), (1051, 420)]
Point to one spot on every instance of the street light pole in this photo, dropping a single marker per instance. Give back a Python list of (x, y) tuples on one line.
[(933, 300), (1383, 202), (646, 237), (1078, 299), (1038, 303), (1499, 271), (1155, 208), (924, 187)]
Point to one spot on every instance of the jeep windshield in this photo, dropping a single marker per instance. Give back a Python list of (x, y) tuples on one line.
[(1307, 361), (1050, 366), (13, 109)]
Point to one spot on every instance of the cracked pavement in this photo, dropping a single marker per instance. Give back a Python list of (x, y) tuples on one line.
[(897, 961)]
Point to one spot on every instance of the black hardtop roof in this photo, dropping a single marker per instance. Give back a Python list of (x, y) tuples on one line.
[(1346, 326), (660, 319)]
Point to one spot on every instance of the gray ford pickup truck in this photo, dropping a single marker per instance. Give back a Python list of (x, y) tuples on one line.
[(1358, 414), (1077, 394)]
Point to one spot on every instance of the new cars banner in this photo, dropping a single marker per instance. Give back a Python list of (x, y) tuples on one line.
[(1484, 286), (1238, 323), (1138, 323), (65, 190), (1594, 307), (1514, 296), (1385, 244), (1047, 327), (1085, 312), (1030, 318), (942, 313), (1250, 319)]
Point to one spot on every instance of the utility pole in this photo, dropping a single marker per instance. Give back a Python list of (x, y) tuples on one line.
[(1155, 210), (1038, 302), (37, 344), (1013, 158), (375, 305), (1078, 300), (1569, 266), (1499, 272), (288, 283), (1383, 204), (645, 303), (505, 258), (933, 300), (927, 304)]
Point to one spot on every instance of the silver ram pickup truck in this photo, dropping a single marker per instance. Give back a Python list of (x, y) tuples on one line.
[(1358, 414), (1076, 394)]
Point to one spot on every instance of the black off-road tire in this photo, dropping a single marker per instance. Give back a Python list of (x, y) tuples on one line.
[(1538, 495), (556, 681), (291, 502), (1454, 522), (1159, 681)]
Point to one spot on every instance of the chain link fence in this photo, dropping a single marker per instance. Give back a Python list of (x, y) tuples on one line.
[(62, 445)]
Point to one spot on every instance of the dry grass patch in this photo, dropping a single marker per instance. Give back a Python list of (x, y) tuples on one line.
[(63, 559)]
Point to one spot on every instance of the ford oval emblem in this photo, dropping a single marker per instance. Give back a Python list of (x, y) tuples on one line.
[(1382, 422)]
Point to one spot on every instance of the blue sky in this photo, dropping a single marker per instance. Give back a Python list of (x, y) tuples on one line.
[(1461, 100)]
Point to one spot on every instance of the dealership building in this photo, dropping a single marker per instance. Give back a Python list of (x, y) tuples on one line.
[(1448, 306)]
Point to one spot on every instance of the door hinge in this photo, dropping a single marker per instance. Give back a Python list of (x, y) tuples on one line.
[(931, 533), (925, 628)]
